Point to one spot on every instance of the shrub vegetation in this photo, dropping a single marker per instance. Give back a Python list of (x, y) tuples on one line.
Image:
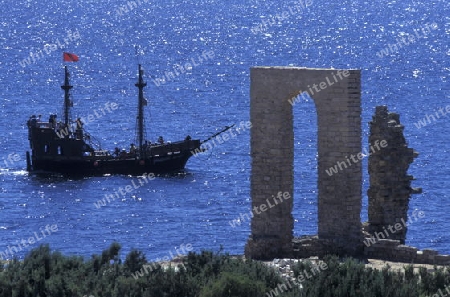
[(206, 274)]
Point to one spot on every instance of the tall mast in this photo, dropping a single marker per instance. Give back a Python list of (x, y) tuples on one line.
[(66, 87), (141, 84)]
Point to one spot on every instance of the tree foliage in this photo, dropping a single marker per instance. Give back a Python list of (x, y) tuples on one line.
[(50, 274)]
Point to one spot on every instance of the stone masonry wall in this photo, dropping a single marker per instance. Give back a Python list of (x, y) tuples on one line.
[(338, 106), (390, 184), (392, 250), (273, 94)]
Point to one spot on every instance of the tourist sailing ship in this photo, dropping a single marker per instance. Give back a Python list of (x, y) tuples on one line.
[(65, 147)]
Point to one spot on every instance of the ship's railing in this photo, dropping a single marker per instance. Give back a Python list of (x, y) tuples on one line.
[(101, 153), (169, 148), (43, 125)]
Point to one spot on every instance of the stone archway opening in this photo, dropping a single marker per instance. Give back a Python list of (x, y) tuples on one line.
[(337, 97), (305, 204)]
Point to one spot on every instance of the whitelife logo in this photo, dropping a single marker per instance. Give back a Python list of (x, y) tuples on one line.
[(423, 122), (416, 215), (359, 156), (24, 243), (322, 85), (407, 40), (11, 159), (143, 180), (261, 208), (222, 138), (169, 75), (49, 48)]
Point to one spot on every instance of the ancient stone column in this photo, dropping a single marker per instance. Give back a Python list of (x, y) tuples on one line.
[(390, 184), (337, 97)]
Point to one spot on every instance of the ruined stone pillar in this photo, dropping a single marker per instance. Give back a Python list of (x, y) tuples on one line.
[(390, 184), (337, 97)]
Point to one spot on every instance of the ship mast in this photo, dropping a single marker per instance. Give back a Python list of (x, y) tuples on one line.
[(140, 118), (66, 87)]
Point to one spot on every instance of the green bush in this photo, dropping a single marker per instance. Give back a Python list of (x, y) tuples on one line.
[(43, 273), (233, 285)]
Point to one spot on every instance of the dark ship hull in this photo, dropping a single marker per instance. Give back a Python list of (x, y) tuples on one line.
[(66, 148), (99, 166), (160, 159)]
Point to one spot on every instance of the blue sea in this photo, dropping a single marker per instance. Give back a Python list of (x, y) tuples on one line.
[(204, 50)]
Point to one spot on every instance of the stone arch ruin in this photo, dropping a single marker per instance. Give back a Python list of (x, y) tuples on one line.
[(337, 97), (274, 92)]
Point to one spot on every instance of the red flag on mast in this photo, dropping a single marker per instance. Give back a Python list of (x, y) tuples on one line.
[(69, 57)]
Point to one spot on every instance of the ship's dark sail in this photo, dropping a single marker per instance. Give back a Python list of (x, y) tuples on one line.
[(64, 147)]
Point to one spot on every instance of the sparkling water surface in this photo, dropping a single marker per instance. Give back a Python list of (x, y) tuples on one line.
[(112, 37)]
